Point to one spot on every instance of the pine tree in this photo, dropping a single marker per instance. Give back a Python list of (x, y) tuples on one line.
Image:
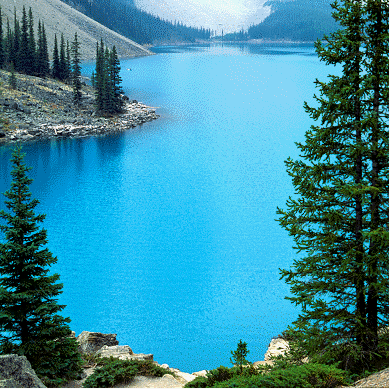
[(23, 53), (45, 52), (116, 81), (68, 61), (12, 77), (76, 70), (339, 219), (62, 60), (377, 12), (14, 55), (2, 45), (30, 323), (39, 61), (99, 77), (31, 44), (55, 71), (107, 81), (108, 96), (9, 44)]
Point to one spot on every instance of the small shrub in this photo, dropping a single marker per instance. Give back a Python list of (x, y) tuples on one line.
[(306, 376), (198, 382), (111, 371)]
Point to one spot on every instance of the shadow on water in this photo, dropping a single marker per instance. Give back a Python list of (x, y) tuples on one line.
[(305, 49)]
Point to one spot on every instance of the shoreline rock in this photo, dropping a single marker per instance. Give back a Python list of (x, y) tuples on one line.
[(41, 109), (135, 115)]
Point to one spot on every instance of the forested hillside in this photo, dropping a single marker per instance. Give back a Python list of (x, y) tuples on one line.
[(125, 18), (59, 18), (304, 20)]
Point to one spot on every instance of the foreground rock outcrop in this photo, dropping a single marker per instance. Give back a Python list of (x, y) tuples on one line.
[(16, 372)]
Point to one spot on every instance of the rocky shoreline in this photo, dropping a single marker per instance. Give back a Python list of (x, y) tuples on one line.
[(43, 109)]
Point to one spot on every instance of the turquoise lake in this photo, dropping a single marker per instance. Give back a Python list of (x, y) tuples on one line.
[(166, 234)]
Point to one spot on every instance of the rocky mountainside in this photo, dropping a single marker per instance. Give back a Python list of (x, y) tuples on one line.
[(61, 18)]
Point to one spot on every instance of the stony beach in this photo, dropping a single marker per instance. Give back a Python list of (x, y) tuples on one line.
[(43, 109)]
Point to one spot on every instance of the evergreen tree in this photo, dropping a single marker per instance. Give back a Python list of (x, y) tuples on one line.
[(340, 216), (62, 66), (42, 60), (76, 70), (9, 44), (30, 323), (55, 72), (2, 45), (108, 97), (45, 52), (99, 76), (23, 53), (377, 86), (14, 55), (12, 77), (68, 61), (40, 55), (107, 80), (116, 81), (31, 43)]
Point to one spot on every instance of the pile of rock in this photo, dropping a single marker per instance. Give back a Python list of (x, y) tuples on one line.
[(82, 126), (106, 345), (16, 372)]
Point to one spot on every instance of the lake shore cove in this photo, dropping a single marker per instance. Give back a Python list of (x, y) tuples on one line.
[(43, 109), (93, 345)]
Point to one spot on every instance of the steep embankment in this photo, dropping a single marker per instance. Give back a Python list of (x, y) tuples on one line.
[(61, 18)]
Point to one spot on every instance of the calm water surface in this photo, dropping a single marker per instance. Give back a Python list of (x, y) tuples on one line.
[(166, 234)]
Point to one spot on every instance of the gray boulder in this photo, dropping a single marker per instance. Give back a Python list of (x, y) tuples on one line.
[(90, 342), (122, 352), (16, 372)]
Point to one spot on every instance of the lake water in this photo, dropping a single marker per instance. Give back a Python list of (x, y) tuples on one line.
[(166, 234)]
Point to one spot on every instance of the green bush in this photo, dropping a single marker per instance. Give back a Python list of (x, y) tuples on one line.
[(111, 371), (310, 375), (220, 374)]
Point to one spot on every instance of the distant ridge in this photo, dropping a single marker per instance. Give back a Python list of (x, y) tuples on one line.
[(297, 20), (61, 18)]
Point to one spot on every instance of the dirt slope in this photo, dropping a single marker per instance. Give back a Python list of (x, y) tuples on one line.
[(59, 17)]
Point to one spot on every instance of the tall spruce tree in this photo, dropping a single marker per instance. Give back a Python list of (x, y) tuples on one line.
[(30, 323), (14, 55), (100, 77), (45, 51), (2, 45), (55, 71), (76, 70), (339, 218), (32, 54), (107, 81), (23, 53), (116, 81), (9, 44), (62, 66), (68, 61)]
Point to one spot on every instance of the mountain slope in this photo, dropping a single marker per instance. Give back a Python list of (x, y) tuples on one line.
[(124, 17), (61, 18), (296, 20)]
